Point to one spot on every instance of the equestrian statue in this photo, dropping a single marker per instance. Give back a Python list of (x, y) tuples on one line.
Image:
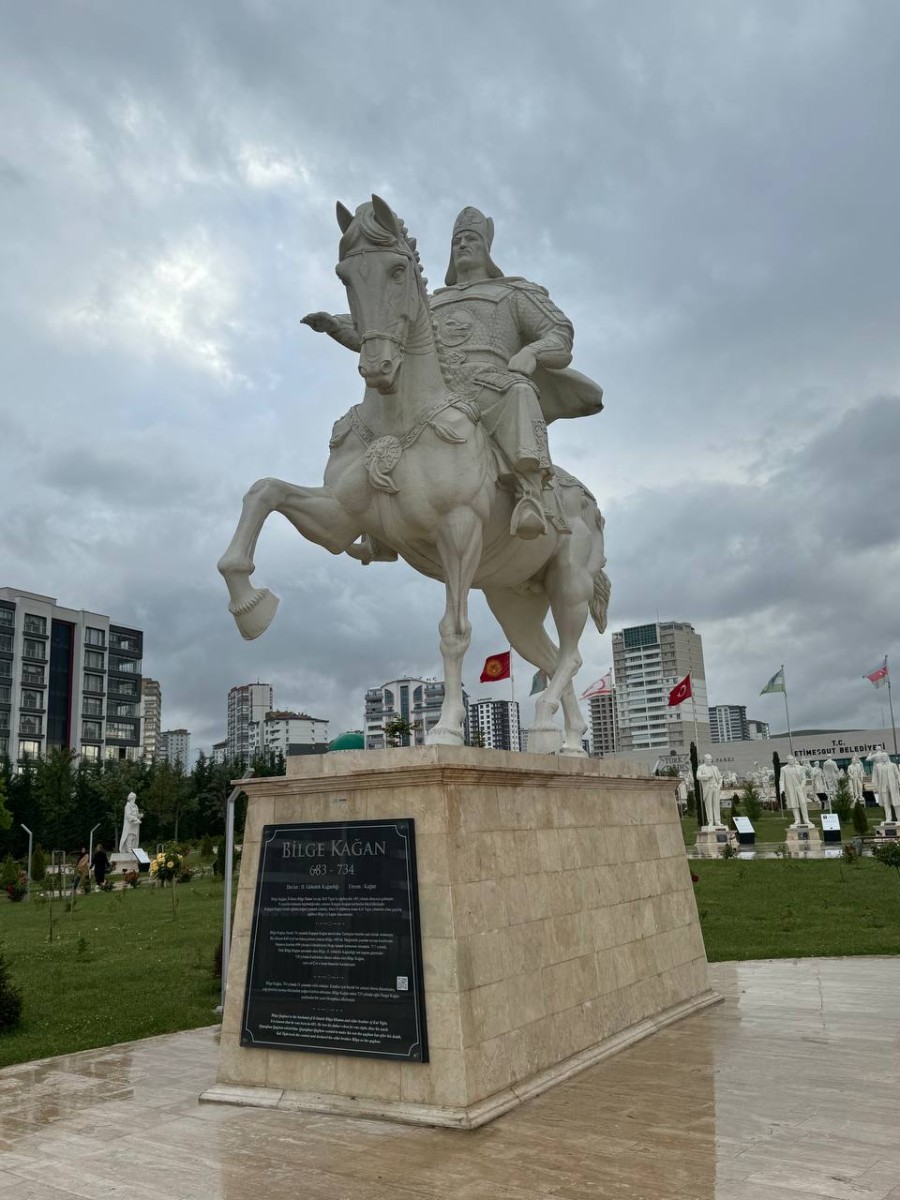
[(445, 463)]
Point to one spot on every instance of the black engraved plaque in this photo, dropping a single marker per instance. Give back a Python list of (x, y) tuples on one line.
[(335, 950)]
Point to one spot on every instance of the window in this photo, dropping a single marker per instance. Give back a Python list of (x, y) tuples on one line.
[(93, 660), (7, 618), (5, 693), (92, 706), (128, 666), (121, 729), (4, 745), (94, 637), (33, 749), (31, 649), (91, 753), (5, 669), (34, 726), (6, 642), (123, 687), (92, 731), (122, 641), (123, 710), (32, 699), (4, 722), (93, 683), (33, 624)]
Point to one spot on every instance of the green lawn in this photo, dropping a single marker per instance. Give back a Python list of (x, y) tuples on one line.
[(119, 967), (771, 826), (787, 908)]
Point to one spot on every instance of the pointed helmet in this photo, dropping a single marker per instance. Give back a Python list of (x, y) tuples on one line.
[(475, 220)]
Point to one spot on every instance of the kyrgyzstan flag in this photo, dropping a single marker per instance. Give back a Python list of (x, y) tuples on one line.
[(681, 691), (496, 667)]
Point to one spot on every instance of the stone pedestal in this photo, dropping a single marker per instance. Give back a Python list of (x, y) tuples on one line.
[(712, 840), (801, 838), (887, 829), (558, 924)]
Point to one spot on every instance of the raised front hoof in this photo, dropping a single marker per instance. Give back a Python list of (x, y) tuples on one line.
[(441, 735), (545, 741), (254, 615)]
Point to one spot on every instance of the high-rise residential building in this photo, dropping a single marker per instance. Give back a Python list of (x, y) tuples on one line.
[(174, 747), (151, 717), (494, 724), (648, 660), (219, 753), (604, 724), (728, 723), (757, 730), (415, 700), (68, 678), (288, 733), (248, 703)]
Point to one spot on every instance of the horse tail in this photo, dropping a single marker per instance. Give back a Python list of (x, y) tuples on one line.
[(599, 601)]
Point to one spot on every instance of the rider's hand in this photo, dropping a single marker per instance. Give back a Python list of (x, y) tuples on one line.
[(320, 322), (524, 362)]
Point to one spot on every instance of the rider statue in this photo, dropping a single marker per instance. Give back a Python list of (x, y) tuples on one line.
[(504, 345)]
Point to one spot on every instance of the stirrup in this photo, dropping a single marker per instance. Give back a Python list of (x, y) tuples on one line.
[(527, 520)]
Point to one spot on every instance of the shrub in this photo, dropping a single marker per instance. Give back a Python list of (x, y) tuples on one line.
[(131, 878), (10, 1000), (18, 890), (38, 864), (842, 804), (888, 853), (728, 851), (735, 805), (9, 872), (859, 818), (207, 849), (751, 801)]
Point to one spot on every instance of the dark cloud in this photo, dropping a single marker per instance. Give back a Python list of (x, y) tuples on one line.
[(709, 193)]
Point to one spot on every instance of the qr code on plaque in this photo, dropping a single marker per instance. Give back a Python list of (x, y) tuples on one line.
[(402, 983)]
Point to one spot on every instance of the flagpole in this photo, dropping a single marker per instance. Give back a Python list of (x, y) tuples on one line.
[(891, 704), (786, 713), (512, 680), (694, 711)]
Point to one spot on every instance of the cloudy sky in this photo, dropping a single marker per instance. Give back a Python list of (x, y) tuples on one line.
[(710, 191)]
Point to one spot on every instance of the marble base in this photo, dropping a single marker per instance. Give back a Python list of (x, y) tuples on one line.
[(558, 922), (887, 829), (712, 840), (800, 838)]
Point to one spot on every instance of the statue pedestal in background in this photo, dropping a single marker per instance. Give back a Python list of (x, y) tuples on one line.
[(887, 829), (800, 839), (712, 840), (557, 923)]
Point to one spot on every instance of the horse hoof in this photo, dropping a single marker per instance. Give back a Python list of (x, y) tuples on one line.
[(443, 736), (573, 752), (254, 616), (545, 741)]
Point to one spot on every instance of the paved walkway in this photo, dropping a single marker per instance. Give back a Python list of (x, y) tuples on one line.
[(790, 1089)]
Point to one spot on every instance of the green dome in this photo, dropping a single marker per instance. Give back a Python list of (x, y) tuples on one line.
[(353, 739)]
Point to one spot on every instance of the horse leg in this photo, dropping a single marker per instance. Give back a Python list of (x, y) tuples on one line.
[(521, 617), (313, 511), (459, 548)]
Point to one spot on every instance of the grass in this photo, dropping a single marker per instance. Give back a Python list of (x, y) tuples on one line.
[(797, 908), (771, 826), (119, 967)]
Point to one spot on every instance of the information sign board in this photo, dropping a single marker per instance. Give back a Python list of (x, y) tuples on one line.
[(743, 825), (831, 821), (335, 950)]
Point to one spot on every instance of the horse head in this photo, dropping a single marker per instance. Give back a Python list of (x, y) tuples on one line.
[(379, 267)]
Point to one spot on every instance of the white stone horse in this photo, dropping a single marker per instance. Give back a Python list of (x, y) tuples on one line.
[(412, 469)]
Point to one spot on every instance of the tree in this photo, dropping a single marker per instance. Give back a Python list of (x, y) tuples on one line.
[(55, 787), (10, 1000), (859, 818), (398, 730), (843, 801), (38, 864), (168, 795), (6, 817), (751, 801), (776, 767)]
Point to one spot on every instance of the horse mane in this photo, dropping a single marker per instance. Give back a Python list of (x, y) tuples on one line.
[(365, 227)]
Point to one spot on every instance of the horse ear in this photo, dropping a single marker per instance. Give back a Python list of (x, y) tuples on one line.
[(385, 217), (344, 216)]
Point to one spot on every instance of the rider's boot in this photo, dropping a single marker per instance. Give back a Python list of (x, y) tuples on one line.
[(528, 520)]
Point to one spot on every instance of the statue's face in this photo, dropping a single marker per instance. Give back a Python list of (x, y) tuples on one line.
[(469, 253), (707, 758)]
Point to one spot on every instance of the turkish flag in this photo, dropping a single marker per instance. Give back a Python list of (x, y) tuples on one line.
[(496, 667), (681, 691)]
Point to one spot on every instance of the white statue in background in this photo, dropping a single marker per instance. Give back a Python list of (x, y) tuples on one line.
[(710, 779), (819, 786), (445, 462), (886, 782), (832, 774), (131, 825), (856, 774), (793, 784)]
